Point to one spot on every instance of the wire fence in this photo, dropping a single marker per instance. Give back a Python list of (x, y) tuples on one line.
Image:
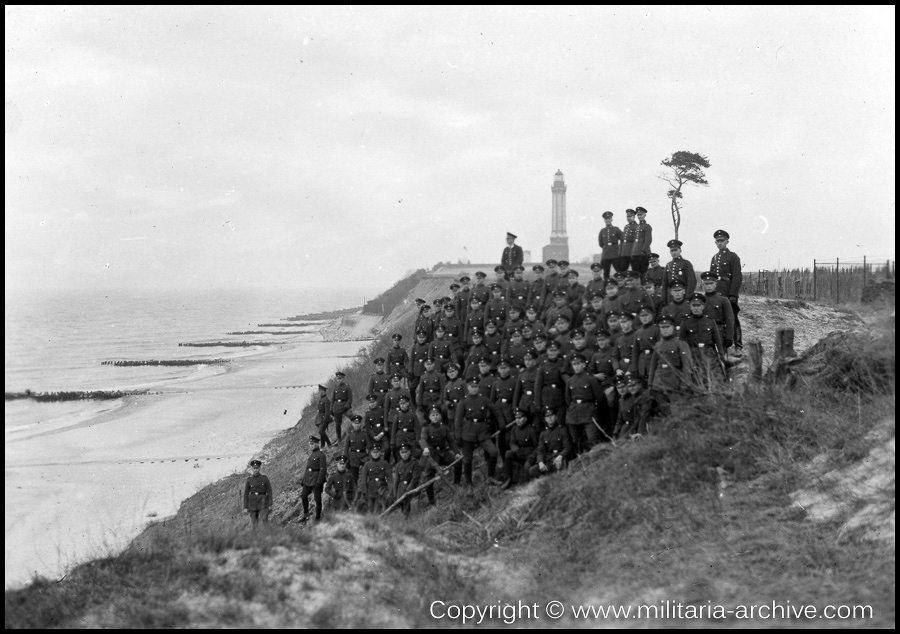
[(834, 281)]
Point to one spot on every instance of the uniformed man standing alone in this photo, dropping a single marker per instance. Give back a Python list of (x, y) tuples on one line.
[(512, 255), (313, 480), (257, 496)]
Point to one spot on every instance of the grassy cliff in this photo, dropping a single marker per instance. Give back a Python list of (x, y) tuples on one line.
[(758, 494)]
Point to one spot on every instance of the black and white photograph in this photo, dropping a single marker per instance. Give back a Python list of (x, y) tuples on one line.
[(450, 316)]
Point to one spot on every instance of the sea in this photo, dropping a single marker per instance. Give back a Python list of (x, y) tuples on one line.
[(57, 341), (61, 456)]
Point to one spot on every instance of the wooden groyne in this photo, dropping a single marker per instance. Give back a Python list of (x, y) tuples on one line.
[(264, 332), (227, 344), (135, 362), (77, 395)]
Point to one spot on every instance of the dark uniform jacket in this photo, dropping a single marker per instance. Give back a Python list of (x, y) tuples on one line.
[(645, 340), (316, 470), (643, 238), (406, 476), (629, 235), (678, 311), (379, 384), (483, 293), (552, 443), (343, 398), (550, 385), (610, 239), (405, 428), (429, 391), (444, 351), (392, 403), (656, 274), (515, 354), (632, 300), (375, 425), (417, 355), (453, 327), (602, 363), (523, 395), (373, 478), (536, 294), (523, 441), (726, 266), (496, 310), (454, 392), (591, 288), (502, 391), (701, 332), (486, 382), (719, 310), (340, 485), (517, 293), (624, 347), (476, 418), (681, 270), (257, 493), (583, 397), (356, 447), (512, 257), (670, 365), (323, 411), (438, 439), (397, 361)]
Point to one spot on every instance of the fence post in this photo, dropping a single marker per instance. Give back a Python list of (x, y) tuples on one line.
[(837, 280), (814, 278)]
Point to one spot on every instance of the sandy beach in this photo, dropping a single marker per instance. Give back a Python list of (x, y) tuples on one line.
[(83, 479)]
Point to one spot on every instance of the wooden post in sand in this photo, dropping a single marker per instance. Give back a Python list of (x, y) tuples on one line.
[(784, 344), (756, 361)]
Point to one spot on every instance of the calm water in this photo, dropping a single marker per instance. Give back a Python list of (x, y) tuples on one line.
[(57, 341)]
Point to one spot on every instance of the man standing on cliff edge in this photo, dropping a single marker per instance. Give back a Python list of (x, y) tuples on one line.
[(512, 255)]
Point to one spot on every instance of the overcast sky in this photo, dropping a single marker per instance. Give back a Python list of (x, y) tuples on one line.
[(294, 147)]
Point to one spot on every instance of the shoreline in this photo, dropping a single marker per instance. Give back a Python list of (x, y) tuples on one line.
[(88, 480)]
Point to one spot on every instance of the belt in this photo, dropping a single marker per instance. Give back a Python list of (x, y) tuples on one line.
[(475, 420), (431, 390), (664, 365), (358, 450), (647, 351), (583, 400), (552, 385), (529, 392), (407, 429), (626, 360), (701, 345), (720, 323), (556, 451), (440, 356), (504, 400), (405, 481), (376, 479), (313, 469), (255, 493)]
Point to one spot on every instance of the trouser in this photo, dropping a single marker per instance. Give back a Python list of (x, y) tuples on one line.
[(338, 419), (441, 458), (316, 491), (413, 387), (323, 434), (605, 265), (341, 503), (641, 263), (535, 471), (738, 335), (376, 493), (517, 463), (623, 263), (468, 452), (258, 514)]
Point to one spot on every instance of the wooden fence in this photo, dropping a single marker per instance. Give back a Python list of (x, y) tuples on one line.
[(837, 281)]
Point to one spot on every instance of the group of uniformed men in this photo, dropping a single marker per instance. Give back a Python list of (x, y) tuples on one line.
[(534, 371)]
